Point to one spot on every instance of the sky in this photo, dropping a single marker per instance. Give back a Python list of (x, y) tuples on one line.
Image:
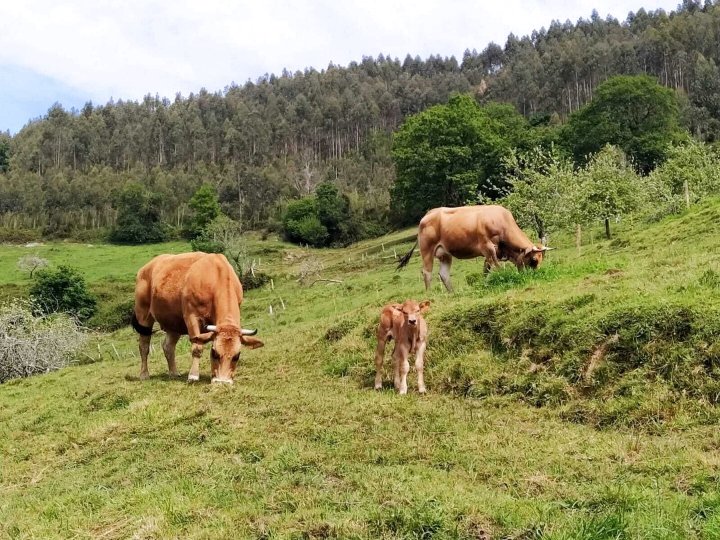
[(76, 51)]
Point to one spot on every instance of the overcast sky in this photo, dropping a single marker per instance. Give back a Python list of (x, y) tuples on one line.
[(78, 50)]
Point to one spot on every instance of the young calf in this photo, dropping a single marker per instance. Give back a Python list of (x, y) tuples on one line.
[(405, 324)]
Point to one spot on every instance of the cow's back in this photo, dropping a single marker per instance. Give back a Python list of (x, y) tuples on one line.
[(160, 283), (212, 290)]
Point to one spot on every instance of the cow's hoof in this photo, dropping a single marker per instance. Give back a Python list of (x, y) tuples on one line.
[(422, 391), (144, 376), (173, 374), (193, 378), (378, 386)]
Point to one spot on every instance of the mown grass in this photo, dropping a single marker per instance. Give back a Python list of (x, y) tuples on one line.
[(514, 440)]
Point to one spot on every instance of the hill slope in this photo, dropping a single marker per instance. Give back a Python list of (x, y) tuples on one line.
[(527, 432)]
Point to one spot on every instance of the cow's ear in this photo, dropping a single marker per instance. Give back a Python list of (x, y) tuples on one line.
[(424, 306), (396, 306), (251, 342)]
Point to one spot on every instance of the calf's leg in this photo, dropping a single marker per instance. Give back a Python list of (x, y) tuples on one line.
[(402, 367), (379, 357), (420, 366)]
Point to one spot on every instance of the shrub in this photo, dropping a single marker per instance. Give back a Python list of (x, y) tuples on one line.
[(113, 315), (138, 219), (62, 290), (31, 344)]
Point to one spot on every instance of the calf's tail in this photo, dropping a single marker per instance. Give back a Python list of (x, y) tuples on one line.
[(405, 259), (139, 328)]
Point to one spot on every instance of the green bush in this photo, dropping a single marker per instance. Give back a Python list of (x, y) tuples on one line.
[(113, 315), (139, 217), (206, 207), (207, 244), (301, 223), (63, 290)]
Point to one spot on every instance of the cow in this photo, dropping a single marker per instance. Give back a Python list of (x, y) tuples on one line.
[(194, 294), (467, 232), (406, 325)]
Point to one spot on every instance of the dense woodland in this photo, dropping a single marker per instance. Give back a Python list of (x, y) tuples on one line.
[(276, 139)]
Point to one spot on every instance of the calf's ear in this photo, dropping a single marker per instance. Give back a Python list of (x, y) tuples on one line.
[(251, 342), (396, 306), (424, 306)]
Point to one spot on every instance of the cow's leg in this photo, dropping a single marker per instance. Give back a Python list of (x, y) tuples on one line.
[(197, 350), (490, 252), (194, 330), (420, 366), (144, 350), (427, 262), (171, 339), (379, 357), (486, 266), (445, 262)]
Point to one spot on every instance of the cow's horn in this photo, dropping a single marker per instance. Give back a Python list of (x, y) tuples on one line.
[(547, 248), (211, 328), (248, 332)]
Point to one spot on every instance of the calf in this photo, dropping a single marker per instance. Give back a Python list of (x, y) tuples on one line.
[(405, 324)]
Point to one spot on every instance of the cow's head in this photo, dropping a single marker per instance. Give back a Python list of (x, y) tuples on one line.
[(533, 256), (227, 341), (411, 310)]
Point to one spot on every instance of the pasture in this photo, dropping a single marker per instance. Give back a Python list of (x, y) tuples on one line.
[(576, 402)]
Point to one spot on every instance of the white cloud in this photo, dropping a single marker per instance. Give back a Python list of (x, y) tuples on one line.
[(127, 49)]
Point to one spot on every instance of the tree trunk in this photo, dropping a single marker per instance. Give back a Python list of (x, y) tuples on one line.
[(578, 237), (686, 187), (607, 228)]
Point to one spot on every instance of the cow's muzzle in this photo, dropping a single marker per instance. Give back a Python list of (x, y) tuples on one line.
[(413, 322), (221, 381)]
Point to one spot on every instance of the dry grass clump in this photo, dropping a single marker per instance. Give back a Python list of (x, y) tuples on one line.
[(32, 344)]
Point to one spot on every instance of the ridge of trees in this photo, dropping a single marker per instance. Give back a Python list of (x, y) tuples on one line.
[(266, 142)]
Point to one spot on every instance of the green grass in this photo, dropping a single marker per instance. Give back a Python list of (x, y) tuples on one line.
[(517, 437)]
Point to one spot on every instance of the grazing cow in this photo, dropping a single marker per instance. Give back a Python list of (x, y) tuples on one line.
[(193, 294), (405, 324), (467, 232)]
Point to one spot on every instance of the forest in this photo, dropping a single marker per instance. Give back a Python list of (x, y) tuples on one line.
[(265, 143)]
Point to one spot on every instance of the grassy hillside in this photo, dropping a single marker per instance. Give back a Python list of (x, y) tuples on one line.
[(575, 402)]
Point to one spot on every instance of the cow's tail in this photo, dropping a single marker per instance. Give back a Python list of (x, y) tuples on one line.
[(139, 328), (405, 259)]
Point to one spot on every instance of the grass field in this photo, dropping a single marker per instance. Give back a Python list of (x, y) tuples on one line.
[(576, 402)]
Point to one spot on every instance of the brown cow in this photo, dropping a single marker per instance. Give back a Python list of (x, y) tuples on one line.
[(405, 324), (467, 232), (193, 294)]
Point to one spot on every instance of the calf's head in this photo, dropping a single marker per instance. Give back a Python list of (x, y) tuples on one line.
[(533, 256), (225, 353), (412, 310)]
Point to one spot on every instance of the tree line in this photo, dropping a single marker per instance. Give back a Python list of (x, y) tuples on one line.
[(267, 142)]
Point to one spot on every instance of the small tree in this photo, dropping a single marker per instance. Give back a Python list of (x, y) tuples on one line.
[(690, 174), (31, 263), (206, 207), (139, 217), (608, 187), (63, 290), (542, 190)]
